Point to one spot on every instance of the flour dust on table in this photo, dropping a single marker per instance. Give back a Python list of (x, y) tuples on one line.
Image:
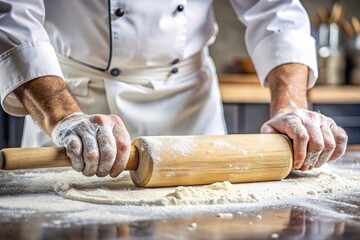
[(121, 191)]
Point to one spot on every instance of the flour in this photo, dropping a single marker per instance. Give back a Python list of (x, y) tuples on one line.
[(179, 145), (221, 144), (225, 215), (28, 192), (121, 191)]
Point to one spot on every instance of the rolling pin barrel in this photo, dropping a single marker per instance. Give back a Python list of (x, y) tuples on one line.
[(197, 160)]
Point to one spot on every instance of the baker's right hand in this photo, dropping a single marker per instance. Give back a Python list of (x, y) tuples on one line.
[(96, 144)]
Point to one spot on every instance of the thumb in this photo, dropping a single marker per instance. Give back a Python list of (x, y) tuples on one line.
[(266, 128)]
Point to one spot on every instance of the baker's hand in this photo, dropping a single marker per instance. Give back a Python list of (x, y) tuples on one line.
[(96, 144), (316, 138)]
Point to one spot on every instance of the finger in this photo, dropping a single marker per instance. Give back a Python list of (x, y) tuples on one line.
[(316, 143), (329, 145), (293, 127), (266, 129), (341, 140), (122, 141), (74, 152), (107, 148), (90, 154)]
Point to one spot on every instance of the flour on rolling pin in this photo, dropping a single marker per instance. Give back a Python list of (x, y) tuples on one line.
[(199, 160), (178, 146), (221, 144), (168, 161)]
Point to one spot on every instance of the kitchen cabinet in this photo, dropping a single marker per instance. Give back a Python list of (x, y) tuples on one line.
[(10, 130)]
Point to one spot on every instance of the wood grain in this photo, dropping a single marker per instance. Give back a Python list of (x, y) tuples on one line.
[(183, 160), (197, 160)]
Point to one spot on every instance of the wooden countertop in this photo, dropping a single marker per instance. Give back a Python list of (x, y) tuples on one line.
[(237, 88)]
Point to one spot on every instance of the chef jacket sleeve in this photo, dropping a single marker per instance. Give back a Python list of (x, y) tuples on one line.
[(25, 50), (277, 32)]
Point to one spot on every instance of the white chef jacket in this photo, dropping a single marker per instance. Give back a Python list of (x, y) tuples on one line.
[(116, 34)]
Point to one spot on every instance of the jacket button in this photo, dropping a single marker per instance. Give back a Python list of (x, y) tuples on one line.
[(119, 12), (115, 72), (176, 61), (174, 70), (180, 8)]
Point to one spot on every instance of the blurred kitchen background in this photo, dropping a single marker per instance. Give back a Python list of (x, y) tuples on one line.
[(344, 15), (336, 27)]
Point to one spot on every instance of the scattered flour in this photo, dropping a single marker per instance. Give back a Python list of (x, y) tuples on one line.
[(121, 191), (192, 226), (225, 215), (275, 235)]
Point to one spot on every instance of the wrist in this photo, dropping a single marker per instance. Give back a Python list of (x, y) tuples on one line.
[(69, 117), (288, 87)]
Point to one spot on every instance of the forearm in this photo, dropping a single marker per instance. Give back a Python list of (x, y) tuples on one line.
[(288, 87), (48, 100), (316, 138)]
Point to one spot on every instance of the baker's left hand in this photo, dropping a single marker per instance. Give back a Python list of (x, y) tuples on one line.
[(316, 138)]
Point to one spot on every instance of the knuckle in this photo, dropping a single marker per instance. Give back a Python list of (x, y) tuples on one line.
[(122, 145), (83, 126), (329, 146), (74, 146), (303, 137), (99, 119), (311, 160), (108, 155), (91, 156), (317, 146), (339, 151), (341, 138), (115, 117)]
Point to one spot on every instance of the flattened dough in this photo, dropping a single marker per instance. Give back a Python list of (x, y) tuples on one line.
[(121, 191)]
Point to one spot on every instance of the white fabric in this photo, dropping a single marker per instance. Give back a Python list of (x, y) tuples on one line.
[(149, 101), (150, 34), (277, 33), (16, 68)]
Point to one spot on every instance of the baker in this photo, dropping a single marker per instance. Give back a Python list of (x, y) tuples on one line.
[(93, 75)]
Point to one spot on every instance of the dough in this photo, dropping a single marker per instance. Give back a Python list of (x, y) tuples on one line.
[(121, 191)]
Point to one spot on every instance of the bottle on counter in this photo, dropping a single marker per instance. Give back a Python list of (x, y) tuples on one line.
[(331, 57), (355, 54)]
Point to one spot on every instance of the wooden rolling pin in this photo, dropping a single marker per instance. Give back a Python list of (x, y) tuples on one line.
[(182, 160)]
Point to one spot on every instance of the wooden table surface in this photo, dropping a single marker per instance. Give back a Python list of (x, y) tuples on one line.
[(246, 89)]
